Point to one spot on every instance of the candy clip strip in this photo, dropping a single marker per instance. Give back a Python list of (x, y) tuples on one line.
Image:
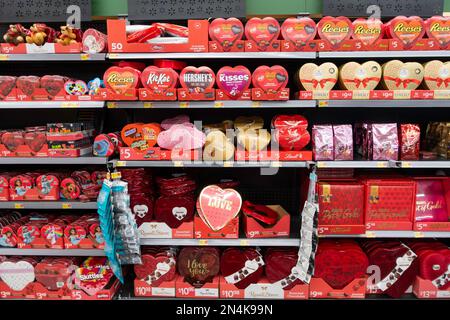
[(250, 267), (443, 279)]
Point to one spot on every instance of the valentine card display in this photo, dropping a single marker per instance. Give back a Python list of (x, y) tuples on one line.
[(263, 34), (389, 204), (398, 75), (436, 75), (226, 34), (57, 278), (339, 264), (217, 206), (341, 207), (269, 83), (407, 30), (437, 28), (431, 201), (355, 76), (313, 77), (397, 264), (241, 267), (335, 30), (198, 265), (298, 31)]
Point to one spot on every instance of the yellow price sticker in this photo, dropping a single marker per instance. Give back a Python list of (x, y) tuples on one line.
[(184, 105), (18, 206), (121, 164), (243, 243), (148, 105), (218, 104), (70, 104), (228, 164), (382, 164), (66, 206), (85, 56), (321, 164), (202, 242), (323, 103), (276, 164), (256, 104), (112, 105), (113, 56), (116, 175), (370, 234), (4, 57), (406, 164), (419, 235), (178, 164)]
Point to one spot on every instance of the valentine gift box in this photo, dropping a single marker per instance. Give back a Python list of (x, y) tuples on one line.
[(41, 232), (126, 39), (298, 34), (198, 269), (434, 265), (8, 90), (84, 233), (407, 33), (340, 271), (262, 34), (196, 84), (316, 81), (341, 207), (432, 212), (269, 83), (389, 204), (402, 78), (226, 35), (261, 221), (155, 277), (17, 277), (160, 82), (233, 83), (436, 28), (32, 142), (334, 34), (218, 211), (69, 139), (369, 34), (121, 83), (393, 267), (40, 38)]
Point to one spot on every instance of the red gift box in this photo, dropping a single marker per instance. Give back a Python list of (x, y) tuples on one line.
[(203, 231), (389, 204), (160, 230), (281, 228), (341, 207)]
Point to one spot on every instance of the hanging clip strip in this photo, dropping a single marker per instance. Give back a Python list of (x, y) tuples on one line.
[(443, 279)]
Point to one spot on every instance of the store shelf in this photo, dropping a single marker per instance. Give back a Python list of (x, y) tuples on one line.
[(424, 164), (215, 55), (385, 54), (53, 161), (51, 104), (352, 164), (49, 205), (52, 252), (272, 242), (53, 57), (393, 234), (210, 104), (384, 103), (200, 164)]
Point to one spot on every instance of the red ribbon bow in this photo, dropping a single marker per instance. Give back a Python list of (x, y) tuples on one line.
[(404, 82), (363, 82), (320, 83), (439, 81)]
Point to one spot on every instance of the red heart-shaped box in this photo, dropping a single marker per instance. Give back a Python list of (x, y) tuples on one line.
[(92, 279), (120, 80), (433, 264), (159, 80), (299, 31), (233, 81), (408, 30), (152, 264), (175, 210), (279, 264), (7, 84), (12, 140), (335, 30), (385, 257), (53, 84), (198, 265), (270, 79), (53, 274), (291, 132), (197, 80), (27, 84), (340, 265), (234, 260), (226, 32), (438, 28), (35, 140), (368, 31), (262, 31)]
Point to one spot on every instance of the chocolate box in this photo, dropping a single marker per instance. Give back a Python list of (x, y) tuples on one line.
[(253, 229)]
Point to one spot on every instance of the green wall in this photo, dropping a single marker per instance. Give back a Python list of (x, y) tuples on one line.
[(254, 7)]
